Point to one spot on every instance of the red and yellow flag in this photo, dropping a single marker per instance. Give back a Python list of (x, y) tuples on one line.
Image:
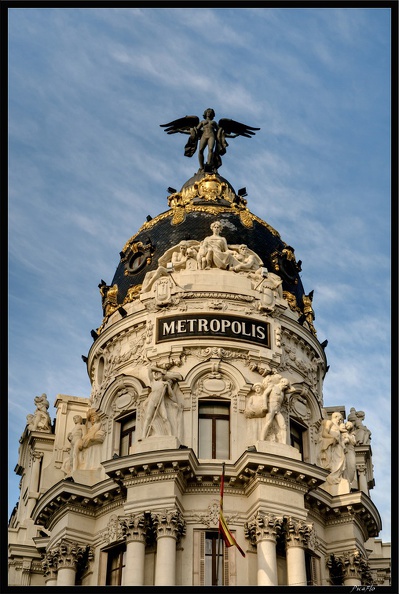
[(224, 531)]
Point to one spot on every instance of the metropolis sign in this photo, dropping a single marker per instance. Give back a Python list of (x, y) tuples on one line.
[(213, 326)]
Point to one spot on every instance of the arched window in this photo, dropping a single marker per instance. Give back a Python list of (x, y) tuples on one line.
[(214, 430)]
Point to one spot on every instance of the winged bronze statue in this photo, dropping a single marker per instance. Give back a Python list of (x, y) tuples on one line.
[(208, 133)]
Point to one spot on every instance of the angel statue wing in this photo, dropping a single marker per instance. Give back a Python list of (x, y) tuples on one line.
[(232, 129), (182, 125), (186, 125)]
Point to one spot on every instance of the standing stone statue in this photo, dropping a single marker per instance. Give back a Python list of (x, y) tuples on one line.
[(276, 388), (161, 403), (332, 447)]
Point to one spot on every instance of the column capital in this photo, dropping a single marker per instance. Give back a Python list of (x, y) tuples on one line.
[(351, 565), (297, 533), (35, 455), (169, 523), (263, 527), (71, 554), (361, 468), (50, 565), (135, 528)]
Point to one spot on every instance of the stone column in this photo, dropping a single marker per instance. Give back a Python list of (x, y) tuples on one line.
[(49, 565), (170, 527), (34, 481), (297, 536), (263, 531), (26, 567), (134, 529)]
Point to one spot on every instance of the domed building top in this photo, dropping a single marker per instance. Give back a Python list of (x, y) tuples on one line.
[(203, 199)]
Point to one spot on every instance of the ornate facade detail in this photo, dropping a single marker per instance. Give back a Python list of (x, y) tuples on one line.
[(263, 527), (291, 299), (109, 298), (297, 533), (211, 518), (125, 399), (204, 354), (308, 313), (113, 532), (213, 384), (284, 262), (169, 523), (298, 356)]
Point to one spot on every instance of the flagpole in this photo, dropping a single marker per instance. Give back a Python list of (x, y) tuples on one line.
[(220, 509)]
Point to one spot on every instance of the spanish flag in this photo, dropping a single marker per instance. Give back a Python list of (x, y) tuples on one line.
[(224, 531)]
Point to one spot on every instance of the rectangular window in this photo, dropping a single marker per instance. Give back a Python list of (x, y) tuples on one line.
[(128, 434), (296, 435), (214, 430), (313, 572), (115, 565), (213, 563)]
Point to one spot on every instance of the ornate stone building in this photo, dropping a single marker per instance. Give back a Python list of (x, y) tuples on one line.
[(207, 353)]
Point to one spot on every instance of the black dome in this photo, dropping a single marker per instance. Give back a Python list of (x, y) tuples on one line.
[(201, 200)]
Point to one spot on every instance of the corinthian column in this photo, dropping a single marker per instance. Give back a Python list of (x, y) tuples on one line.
[(263, 531), (297, 536), (170, 527), (134, 529)]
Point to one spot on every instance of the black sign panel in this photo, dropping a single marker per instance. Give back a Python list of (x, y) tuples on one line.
[(213, 326)]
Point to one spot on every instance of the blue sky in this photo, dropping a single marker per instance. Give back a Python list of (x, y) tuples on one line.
[(88, 161)]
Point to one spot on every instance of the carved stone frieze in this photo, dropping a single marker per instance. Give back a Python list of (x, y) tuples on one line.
[(204, 354)]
